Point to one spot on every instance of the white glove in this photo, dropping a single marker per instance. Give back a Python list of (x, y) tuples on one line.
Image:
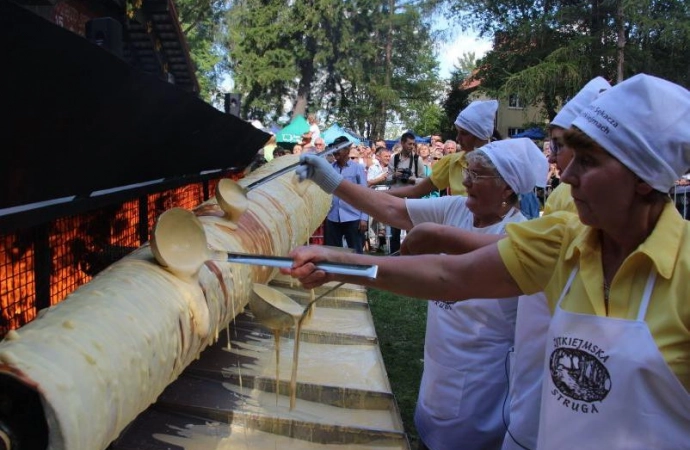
[(318, 170)]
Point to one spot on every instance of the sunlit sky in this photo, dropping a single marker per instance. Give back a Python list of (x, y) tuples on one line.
[(449, 52)]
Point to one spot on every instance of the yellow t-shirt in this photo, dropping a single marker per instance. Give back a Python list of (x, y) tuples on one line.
[(560, 199), (541, 253), (448, 172)]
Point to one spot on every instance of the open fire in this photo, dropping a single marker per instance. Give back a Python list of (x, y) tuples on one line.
[(40, 266)]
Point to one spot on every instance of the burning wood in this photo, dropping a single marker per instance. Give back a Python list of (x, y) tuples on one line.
[(108, 351)]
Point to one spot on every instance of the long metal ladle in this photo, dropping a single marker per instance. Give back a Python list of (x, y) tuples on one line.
[(179, 243), (336, 146)]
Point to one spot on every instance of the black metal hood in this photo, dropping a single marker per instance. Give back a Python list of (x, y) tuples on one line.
[(78, 119)]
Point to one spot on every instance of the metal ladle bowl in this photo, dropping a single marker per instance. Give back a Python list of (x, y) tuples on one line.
[(232, 199), (279, 312), (274, 309), (178, 242)]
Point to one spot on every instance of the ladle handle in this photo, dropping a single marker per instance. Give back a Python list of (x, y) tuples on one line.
[(311, 302), (359, 270), (331, 149)]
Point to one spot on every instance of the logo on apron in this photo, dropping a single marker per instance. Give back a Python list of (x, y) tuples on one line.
[(444, 305), (578, 372)]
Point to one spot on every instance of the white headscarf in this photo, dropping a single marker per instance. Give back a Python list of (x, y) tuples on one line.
[(644, 122), (582, 99), (478, 118), (519, 161)]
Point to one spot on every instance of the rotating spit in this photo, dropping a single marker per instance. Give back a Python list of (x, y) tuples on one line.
[(104, 354), (91, 364)]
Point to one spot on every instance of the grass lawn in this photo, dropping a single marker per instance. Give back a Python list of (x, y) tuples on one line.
[(400, 324)]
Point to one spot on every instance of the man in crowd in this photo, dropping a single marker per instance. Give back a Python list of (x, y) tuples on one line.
[(344, 221), (378, 171), (404, 169), (450, 146), (319, 145), (376, 176)]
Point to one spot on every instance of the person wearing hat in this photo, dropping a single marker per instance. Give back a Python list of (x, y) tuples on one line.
[(463, 386), (616, 372), (560, 198), (533, 316), (475, 126)]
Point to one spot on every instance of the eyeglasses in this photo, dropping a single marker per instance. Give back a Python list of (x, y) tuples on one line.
[(472, 176), (555, 146)]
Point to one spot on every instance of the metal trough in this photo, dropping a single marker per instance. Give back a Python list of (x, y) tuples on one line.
[(227, 400)]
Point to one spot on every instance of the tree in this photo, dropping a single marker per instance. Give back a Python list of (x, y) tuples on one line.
[(202, 22), (466, 63), (355, 61), (458, 94), (545, 51)]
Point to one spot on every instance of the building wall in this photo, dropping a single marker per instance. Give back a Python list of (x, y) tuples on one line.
[(512, 116)]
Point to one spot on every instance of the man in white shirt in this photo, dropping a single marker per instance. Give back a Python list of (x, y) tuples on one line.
[(313, 126), (376, 176), (378, 170)]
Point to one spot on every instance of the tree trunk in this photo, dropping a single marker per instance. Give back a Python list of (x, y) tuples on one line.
[(596, 35), (383, 115), (620, 42), (306, 67)]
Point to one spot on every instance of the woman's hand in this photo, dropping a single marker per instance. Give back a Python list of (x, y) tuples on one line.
[(320, 171), (304, 265)]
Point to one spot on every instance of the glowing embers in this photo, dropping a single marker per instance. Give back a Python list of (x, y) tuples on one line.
[(17, 290), (40, 266)]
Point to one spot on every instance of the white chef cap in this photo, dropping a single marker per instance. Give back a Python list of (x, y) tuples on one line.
[(540, 166), (644, 122), (478, 118), (519, 161), (581, 100)]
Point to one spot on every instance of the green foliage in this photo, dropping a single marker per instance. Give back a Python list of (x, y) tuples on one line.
[(429, 119), (544, 51), (658, 38), (400, 327), (201, 22), (331, 56), (455, 101), (466, 63)]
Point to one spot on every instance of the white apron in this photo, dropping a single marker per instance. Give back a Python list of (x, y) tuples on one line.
[(607, 386), (526, 372), (464, 381)]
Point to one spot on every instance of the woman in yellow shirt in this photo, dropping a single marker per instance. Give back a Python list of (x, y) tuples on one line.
[(475, 126), (560, 199), (617, 369)]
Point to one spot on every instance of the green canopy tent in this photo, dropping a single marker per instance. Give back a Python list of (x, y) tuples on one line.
[(292, 133)]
